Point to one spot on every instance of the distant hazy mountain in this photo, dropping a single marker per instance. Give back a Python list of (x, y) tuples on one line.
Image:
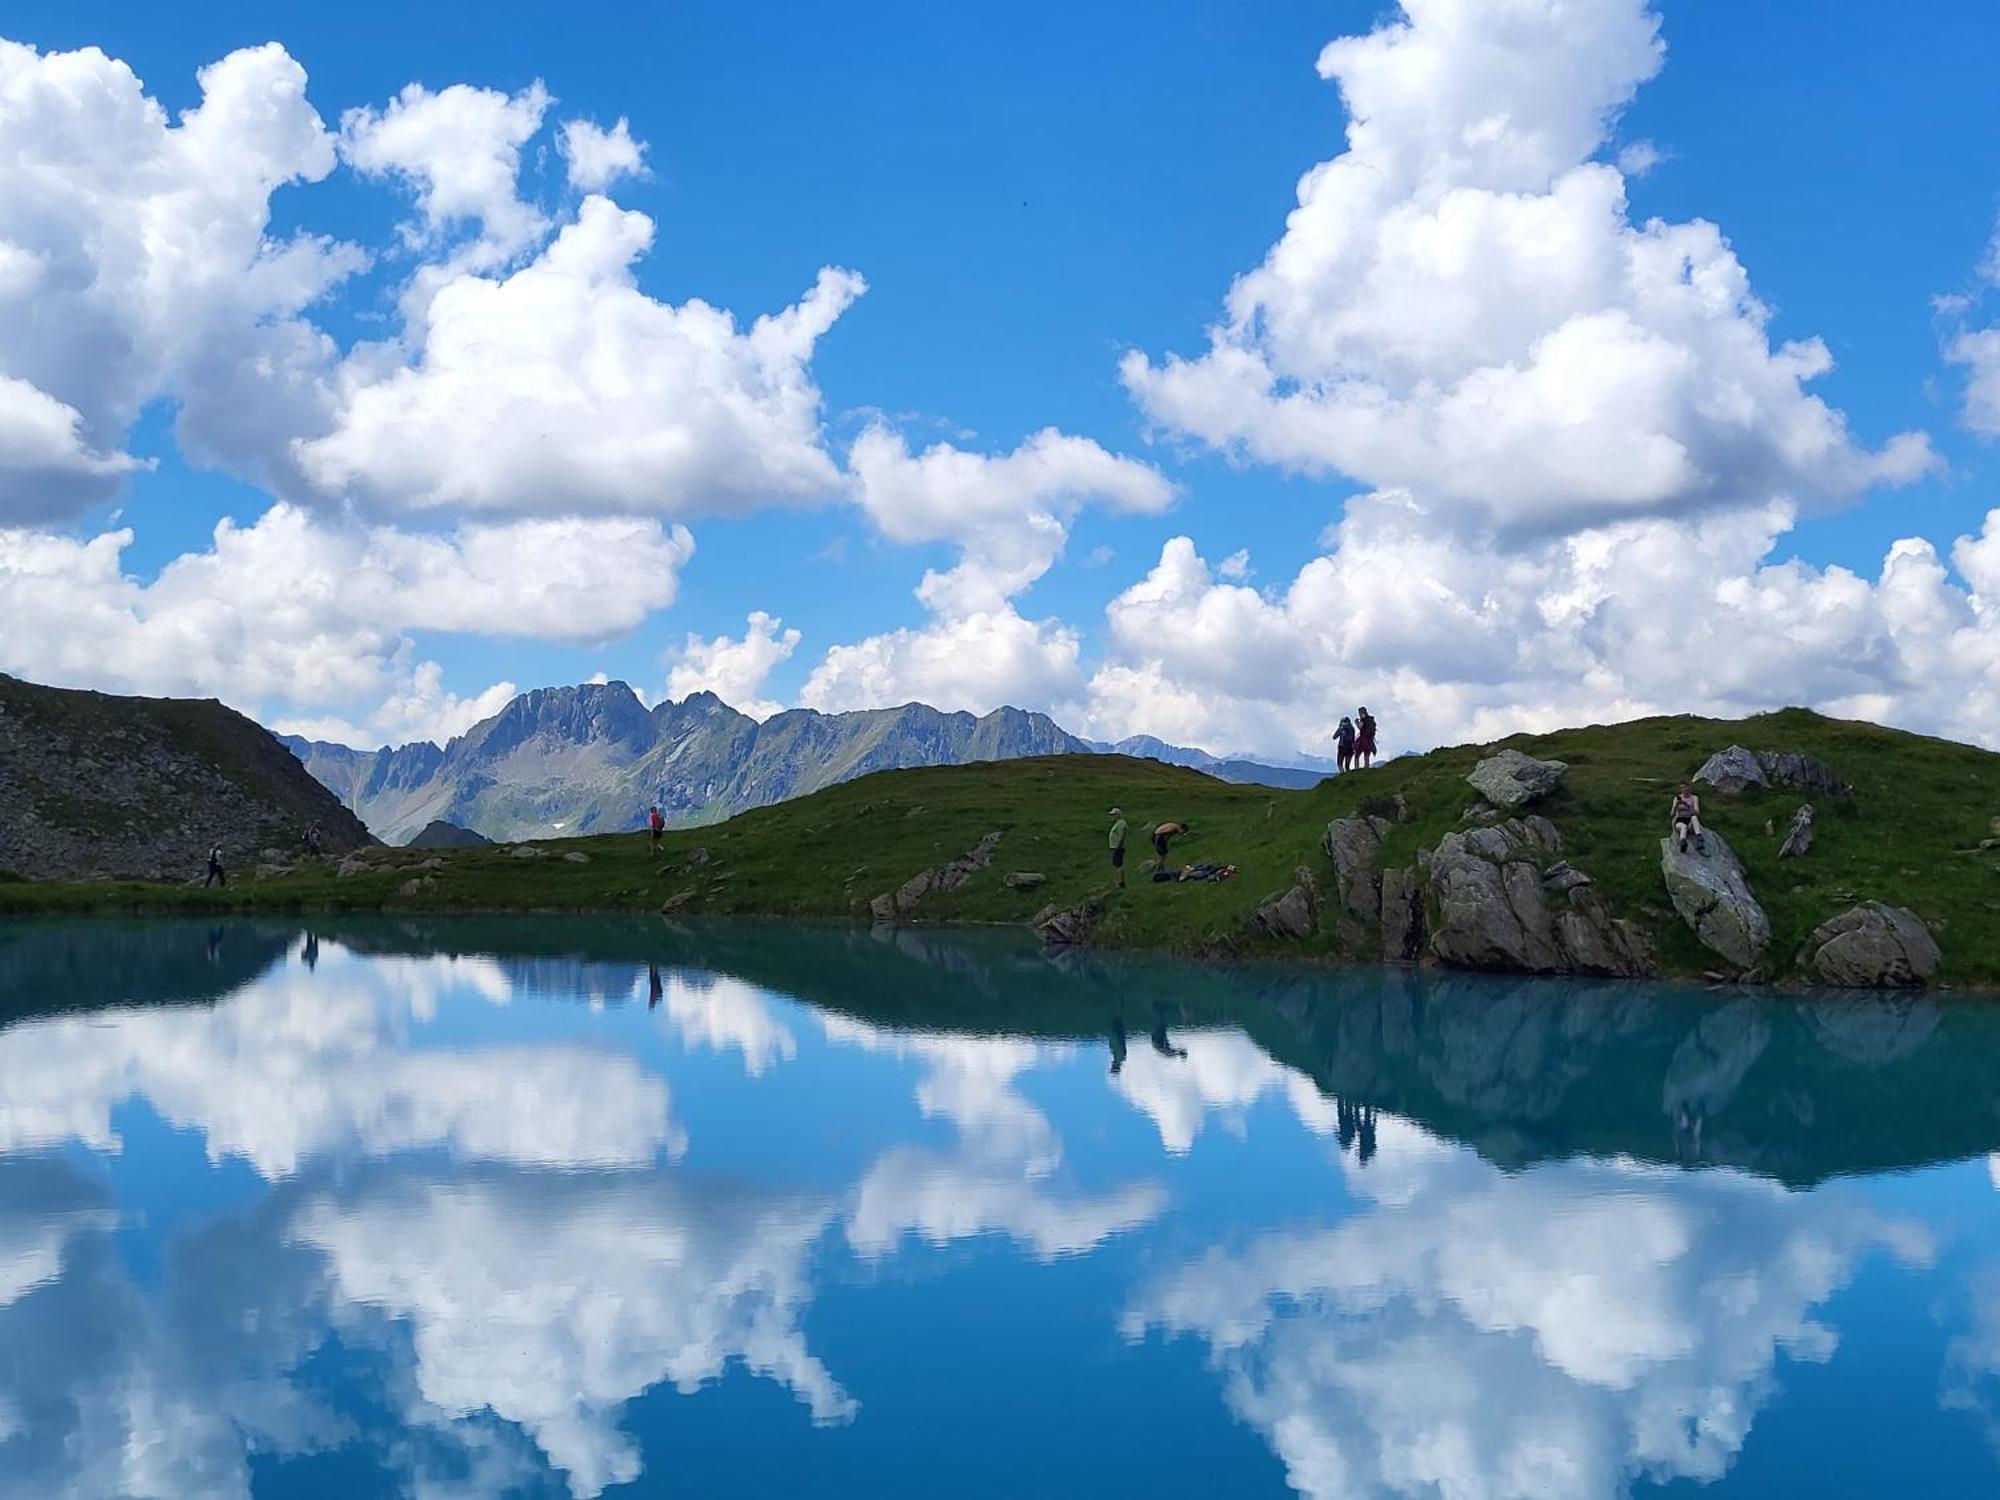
[(96, 785), (1307, 773), (591, 759)]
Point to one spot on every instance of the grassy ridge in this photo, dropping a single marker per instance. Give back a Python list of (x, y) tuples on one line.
[(1910, 835)]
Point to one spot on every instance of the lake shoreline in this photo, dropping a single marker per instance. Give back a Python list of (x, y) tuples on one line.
[(195, 907)]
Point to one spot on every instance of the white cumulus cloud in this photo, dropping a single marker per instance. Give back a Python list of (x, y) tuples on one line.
[(563, 388), (1009, 516), (460, 150), (293, 609), (1461, 305), (1979, 351), (1446, 642), (598, 157), (734, 669), (136, 263)]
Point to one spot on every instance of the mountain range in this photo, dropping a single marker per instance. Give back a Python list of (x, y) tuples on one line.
[(592, 758)]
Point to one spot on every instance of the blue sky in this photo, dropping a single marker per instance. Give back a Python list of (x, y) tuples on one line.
[(1031, 193)]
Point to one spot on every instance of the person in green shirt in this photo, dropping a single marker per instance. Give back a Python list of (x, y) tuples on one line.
[(1118, 845)]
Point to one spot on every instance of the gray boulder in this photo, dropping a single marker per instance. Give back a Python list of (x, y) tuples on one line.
[(1024, 880), (1732, 770), (1495, 911), (1491, 914), (1713, 898), (1564, 876), (1735, 768), (1800, 839), (1061, 926), (1594, 941), (1355, 847), (948, 876), (1295, 914), (1872, 946), (915, 889), (1510, 780), (1402, 916)]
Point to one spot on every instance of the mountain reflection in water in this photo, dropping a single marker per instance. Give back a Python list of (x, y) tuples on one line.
[(553, 1207)]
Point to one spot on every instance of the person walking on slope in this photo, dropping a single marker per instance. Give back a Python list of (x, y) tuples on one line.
[(656, 825), (1687, 820), (216, 874), (1343, 743), (1364, 738), (1118, 845)]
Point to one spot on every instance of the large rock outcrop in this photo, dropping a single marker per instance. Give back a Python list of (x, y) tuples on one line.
[(1734, 769), (1402, 916), (1872, 946), (1510, 780), (1295, 914), (1708, 889), (1355, 847), (1494, 910), (948, 876)]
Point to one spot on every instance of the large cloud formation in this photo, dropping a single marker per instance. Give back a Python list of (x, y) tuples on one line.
[(532, 400), (1470, 641), (136, 262), (1462, 307), (1581, 450), (298, 606)]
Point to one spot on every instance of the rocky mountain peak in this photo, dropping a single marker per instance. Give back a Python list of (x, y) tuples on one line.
[(584, 714)]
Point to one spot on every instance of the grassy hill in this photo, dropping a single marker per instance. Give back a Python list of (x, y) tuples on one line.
[(1909, 835)]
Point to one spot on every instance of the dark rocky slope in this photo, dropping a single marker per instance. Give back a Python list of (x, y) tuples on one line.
[(94, 786)]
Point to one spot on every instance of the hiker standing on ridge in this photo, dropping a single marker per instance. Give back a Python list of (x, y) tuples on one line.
[(216, 874), (1118, 845), (656, 825), (1343, 742), (1364, 738)]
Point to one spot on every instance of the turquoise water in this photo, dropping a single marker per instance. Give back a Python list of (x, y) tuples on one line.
[(574, 1207)]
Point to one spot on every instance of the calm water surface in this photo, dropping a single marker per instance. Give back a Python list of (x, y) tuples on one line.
[(479, 1208)]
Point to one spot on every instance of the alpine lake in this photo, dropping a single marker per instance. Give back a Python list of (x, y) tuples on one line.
[(571, 1207)]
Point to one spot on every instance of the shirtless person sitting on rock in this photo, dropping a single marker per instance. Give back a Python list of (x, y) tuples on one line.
[(1687, 820)]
